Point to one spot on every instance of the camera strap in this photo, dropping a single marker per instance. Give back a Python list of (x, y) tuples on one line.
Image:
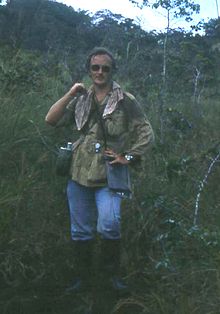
[(101, 124)]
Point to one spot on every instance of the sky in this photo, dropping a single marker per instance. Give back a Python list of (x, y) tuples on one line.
[(149, 19)]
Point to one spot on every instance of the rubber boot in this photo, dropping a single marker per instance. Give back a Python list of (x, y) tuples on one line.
[(83, 265), (110, 265)]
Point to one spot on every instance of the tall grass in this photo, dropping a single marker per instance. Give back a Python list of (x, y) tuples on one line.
[(171, 266)]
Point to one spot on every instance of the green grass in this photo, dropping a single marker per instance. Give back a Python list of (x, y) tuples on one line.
[(171, 266)]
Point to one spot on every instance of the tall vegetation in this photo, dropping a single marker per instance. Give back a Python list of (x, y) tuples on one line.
[(171, 235)]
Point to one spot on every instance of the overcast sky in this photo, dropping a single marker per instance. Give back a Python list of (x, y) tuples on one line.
[(149, 19)]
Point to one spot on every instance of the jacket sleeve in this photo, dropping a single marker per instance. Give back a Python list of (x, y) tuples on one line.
[(140, 130), (68, 117)]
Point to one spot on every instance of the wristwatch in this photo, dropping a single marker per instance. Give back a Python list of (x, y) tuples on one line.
[(129, 157)]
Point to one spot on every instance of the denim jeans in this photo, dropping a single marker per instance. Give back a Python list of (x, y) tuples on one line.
[(93, 209)]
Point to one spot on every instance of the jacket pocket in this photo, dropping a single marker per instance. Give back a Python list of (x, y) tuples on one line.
[(97, 171)]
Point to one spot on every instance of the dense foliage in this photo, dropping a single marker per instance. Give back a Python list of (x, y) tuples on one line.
[(171, 237)]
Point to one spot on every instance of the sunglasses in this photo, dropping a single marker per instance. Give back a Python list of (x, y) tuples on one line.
[(97, 67)]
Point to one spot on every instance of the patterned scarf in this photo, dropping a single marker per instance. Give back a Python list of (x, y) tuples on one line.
[(84, 104)]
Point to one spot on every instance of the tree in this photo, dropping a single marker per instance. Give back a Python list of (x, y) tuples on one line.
[(174, 9), (212, 28)]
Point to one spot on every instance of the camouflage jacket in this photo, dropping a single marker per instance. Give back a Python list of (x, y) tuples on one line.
[(126, 131)]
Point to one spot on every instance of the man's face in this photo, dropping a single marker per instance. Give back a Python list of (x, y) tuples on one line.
[(101, 70)]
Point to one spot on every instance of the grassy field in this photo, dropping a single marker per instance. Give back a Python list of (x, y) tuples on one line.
[(171, 238)]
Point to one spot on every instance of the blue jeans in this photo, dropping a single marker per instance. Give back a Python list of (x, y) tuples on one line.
[(93, 209)]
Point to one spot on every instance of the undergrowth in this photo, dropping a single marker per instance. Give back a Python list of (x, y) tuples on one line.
[(171, 262)]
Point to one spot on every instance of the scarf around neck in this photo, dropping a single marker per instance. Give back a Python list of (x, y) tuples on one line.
[(84, 104)]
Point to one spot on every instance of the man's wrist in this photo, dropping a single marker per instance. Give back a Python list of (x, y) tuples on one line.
[(71, 94), (129, 157)]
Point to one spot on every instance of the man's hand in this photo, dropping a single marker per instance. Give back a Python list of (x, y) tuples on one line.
[(115, 158), (77, 88)]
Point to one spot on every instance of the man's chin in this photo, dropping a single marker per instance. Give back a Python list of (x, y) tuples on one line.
[(101, 83)]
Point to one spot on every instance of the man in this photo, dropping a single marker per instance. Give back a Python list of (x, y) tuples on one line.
[(93, 206)]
